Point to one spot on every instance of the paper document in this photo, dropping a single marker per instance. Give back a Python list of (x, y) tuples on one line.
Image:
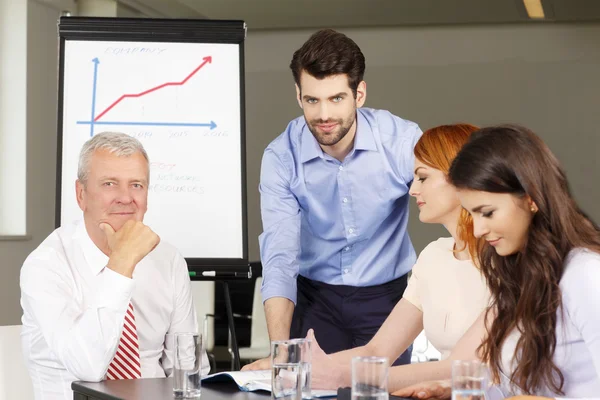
[(250, 381)]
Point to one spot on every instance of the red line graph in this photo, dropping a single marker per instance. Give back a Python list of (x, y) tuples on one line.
[(206, 60)]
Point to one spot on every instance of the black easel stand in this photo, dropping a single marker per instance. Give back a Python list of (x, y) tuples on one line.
[(234, 343), (224, 277)]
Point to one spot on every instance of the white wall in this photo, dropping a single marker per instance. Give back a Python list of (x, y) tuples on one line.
[(13, 117), (41, 49), (540, 75)]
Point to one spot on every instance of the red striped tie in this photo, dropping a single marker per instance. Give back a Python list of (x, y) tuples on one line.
[(126, 362)]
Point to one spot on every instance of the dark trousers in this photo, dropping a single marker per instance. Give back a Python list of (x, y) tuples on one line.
[(344, 317)]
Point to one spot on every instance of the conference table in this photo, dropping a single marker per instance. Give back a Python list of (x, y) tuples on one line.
[(162, 389), (156, 389)]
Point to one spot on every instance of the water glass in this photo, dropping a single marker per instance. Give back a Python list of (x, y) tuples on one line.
[(286, 375), (187, 365), (370, 378), (469, 380), (305, 366)]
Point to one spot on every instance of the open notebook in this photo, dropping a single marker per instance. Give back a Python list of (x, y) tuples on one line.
[(250, 381)]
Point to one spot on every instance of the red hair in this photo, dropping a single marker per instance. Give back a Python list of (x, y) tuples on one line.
[(437, 148)]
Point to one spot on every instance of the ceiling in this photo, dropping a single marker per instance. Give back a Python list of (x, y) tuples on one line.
[(297, 14)]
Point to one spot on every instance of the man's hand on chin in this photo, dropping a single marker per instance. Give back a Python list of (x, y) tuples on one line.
[(129, 245)]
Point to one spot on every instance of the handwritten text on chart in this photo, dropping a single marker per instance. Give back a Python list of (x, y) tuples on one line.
[(178, 134), (142, 135), (133, 50), (176, 177), (184, 134), (162, 166), (150, 134), (215, 133), (170, 182), (176, 188)]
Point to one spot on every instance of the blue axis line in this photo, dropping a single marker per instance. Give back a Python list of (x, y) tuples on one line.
[(96, 62), (212, 125)]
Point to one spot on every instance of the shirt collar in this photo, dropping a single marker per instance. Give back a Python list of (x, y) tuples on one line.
[(94, 257), (364, 139), (309, 147)]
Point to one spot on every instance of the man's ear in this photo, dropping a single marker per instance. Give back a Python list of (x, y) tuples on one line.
[(298, 95), (361, 94), (79, 194)]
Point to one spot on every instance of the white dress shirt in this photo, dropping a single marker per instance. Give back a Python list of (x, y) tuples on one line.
[(577, 352), (74, 308)]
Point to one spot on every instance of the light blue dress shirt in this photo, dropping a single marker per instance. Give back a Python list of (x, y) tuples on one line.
[(341, 223)]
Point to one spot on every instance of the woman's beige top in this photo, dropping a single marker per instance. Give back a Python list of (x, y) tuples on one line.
[(451, 294)]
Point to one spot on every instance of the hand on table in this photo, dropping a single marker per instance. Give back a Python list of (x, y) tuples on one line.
[(262, 364), (436, 390)]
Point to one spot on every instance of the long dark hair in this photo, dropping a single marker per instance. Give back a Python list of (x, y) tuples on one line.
[(525, 285)]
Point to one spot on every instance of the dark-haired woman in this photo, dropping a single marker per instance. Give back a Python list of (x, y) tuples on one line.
[(541, 263)]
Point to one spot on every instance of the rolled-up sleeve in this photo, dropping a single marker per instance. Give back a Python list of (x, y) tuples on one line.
[(280, 240)]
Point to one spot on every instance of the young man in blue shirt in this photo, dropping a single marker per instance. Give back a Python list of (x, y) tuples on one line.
[(334, 204)]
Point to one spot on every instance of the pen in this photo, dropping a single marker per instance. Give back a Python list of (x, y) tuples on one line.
[(225, 274)]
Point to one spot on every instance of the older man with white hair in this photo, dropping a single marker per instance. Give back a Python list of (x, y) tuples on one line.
[(100, 295)]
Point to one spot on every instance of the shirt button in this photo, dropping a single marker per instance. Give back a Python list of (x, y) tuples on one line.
[(341, 167), (350, 230), (346, 271), (346, 248), (345, 200)]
